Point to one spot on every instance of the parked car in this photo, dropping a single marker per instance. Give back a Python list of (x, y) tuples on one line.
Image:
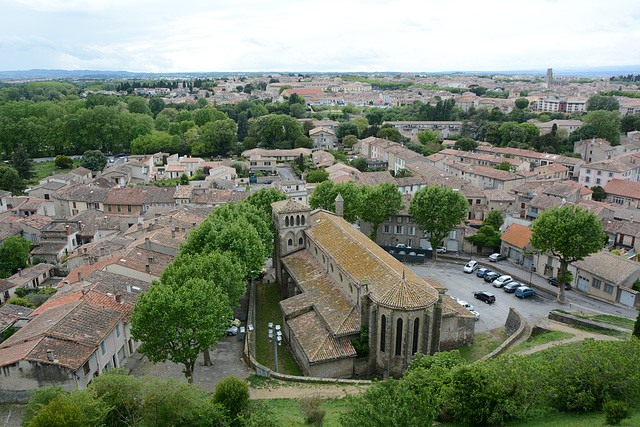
[(231, 330), (490, 277), (482, 271), (441, 250), (485, 296), (475, 313), (525, 291), (402, 245), (497, 257), (465, 305), (502, 280), (470, 267), (553, 281), (511, 287)]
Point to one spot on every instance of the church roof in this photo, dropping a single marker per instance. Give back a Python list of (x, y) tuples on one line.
[(288, 205)]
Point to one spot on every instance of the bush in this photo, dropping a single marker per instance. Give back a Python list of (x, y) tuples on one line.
[(615, 411), (311, 408), (63, 162), (38, 299), (19, 301), (233, 394)]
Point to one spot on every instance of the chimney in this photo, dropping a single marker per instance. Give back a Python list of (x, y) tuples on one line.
[(147, 268), (19, 272), (65, 286), (147, 244), (139, 227), (119, 298), (50, 355), (79, 276), (177, 228), (68, 230), (102, 251), (155, 220), (150, 260), (128, 288), (80, 226), (173, 234), (105, 219), (339, 205)]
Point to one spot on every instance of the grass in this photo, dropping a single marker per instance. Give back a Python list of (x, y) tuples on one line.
[(44, 169), (288, 413), (268, 310), (622, 322), (544, 338), (483, 344), (608, 332)]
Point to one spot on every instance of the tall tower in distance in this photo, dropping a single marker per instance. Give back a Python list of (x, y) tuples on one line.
[(549, 78)]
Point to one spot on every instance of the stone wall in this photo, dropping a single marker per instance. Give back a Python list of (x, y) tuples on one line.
[(514, 318), (513, 322), (578, 321)]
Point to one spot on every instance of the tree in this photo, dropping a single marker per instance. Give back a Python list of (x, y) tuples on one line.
[(263, 198), (360, 163), (599, 102), (391, 134), (487, 236), (318, 175), (465, 144), (522, 103), (138, 105), (177, 323), (14, 253), (436, 211), (10, 180), (362, 124), (504, 166), (347, 128), (233, 394), (350, 141), (303, 142), (636, 327), (605, 124), (63, 162), (156, 105), (494, 219), (598, 193), (379, 203), (427, 136), (94, 160), (21, 163), (325, 194), (184, 179), (570, 233)]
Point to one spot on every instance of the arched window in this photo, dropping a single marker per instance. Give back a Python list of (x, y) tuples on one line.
[(300, 241), (399, 338), (383, 327), (290, 242), (298, 220), (302, 220), (286, 221), (416, 331)]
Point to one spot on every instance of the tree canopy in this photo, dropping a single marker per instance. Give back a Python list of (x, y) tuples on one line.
[(569, 233), (379, 203), (325, 194), (599, 102), (10, 180), (94, 160), (605, 125), (14, 253)]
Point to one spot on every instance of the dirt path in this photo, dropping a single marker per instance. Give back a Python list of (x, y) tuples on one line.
[(579, 335), (288, 390)]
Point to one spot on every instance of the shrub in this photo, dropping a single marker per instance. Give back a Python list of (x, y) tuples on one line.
[(311, 408), (233, 394), (615, 411), (37, 300), (19, 301)]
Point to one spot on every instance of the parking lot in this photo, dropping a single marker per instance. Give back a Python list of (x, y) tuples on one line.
[(463, 285)]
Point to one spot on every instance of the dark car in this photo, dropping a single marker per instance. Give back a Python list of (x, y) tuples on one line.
[(490, 277), (511, 287), (487, 297), (553, 281), (482, 271), (497, 257)]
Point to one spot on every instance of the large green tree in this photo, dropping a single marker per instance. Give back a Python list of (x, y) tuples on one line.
[(605, 125), (599, 102), (21, 163), (263, 198), (178, 322), (14, 253), (325, 194), (465, 144), (436, 211), (379, 203), (94, 160), (10, 180), (570, 233)]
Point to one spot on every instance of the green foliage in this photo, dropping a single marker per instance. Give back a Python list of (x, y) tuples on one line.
[(465, 144), (21, 163), (233, 394), (487, 236), (427, 136), (14, 253), (10, 180), (347, 128), (350, 141), (38, 399), (275, 130), (570, 233), (311, 408), (263, 198), (303, 142), (7, 333), (598, 193), (504, 166), (184, 179), (494, 219), (325, 194), (605, 124), (361, 344), (636, 326), (391, 134), (379, 203), (94, 160), (36, 299), (599, 102), (438, 210), (318, 175), (616, 411), (522, 103), (63, 162), (53, 406)]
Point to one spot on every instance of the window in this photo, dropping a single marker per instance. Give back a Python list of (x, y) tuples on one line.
[(399, 229), (74, 205), (118, 330), (412, 231), (386, 229), (103, 348), (588, 170), (286, 221), (383, 327), (596, 283), (399, 337), (298, 220), (599, 173), (416, 330), (598, 181), (109, 208), (399, 220), (302, 218), (86, 368), (587, 179), (119, 209), (610, 174), (300, 241), (290, 242), (452, 235), (608, 288)]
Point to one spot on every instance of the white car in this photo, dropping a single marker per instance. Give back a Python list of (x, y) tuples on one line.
[(502, 280), (441, 250), (470, 267), (475, 313), (402, 245), (466, 305)]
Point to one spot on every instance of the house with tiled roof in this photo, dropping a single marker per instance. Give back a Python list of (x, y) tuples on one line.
[(30, 206), (486, 177), (323, 138), (12, 316), (322, 158), (128, 201), (335, 281), (32, 227), (83, 174), (552, 171), (74, 199), (45, 190), (516, 246), (140, 264), (623, 234), (622, 192), (600, 173), (73, 337), (607, 276), (29, 278)]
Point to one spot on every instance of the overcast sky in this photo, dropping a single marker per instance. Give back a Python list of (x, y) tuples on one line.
[(327, 35)]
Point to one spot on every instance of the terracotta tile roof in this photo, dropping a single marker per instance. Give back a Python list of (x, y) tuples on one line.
[(611, 267), (9, 313), (543, 201), (81, 171), (17, 352), (48, 249), (583, 190), (30, 204), (36, 221), (66, 353), (137, 259), (217, 197), (561, 190), (318, 344), (620, 187), (362, 259), (517, 235), (499, 196), (375, 178), (288, 205), (30, 273), (82, 193), (128, 196)]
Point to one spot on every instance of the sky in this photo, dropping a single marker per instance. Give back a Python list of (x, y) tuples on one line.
[(347, 35)]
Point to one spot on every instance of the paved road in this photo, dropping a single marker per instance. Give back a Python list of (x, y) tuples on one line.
[(286, 174), (462, 285)]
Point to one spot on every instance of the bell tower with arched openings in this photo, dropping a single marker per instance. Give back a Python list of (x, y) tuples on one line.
[(290, 218)]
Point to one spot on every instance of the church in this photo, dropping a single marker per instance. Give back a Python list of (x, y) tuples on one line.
[(336, 283)]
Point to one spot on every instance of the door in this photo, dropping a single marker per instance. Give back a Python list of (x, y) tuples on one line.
[(627, 298), (583, 284), (526, 263), (514, 254), (452, 246)]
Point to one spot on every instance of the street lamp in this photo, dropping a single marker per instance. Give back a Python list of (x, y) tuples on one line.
[(275, 336)]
